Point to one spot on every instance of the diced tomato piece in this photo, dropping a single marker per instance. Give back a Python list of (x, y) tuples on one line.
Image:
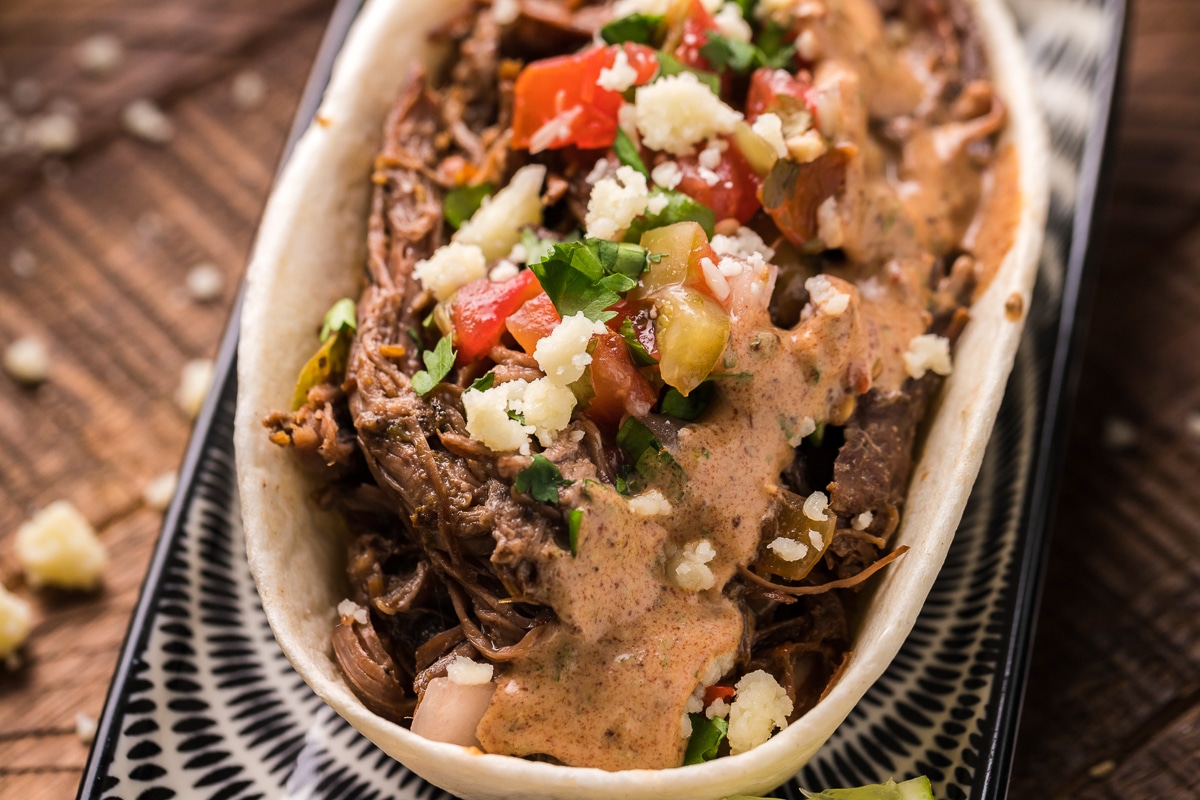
[(733, 194), (479, 309), (533, 322), (768, 85), (640, 318), (619, 387), (792, 193), (717, 692), (562, 92), (695, 27)]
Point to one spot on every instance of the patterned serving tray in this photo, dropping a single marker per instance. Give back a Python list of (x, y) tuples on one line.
[(204, 704)]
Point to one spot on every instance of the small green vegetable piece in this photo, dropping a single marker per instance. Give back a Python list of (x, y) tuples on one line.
[(628, 153), (669, 65), (639, 28), (484, 383), (706, 738), (462, 202), (641, 356), (589, 276), (772, 43), (337, 332), (725, 53), (913, 789), (541, 479), (645, 452), (438, 362), (679, 208), (574, 520), (687, 408), (536, 248)]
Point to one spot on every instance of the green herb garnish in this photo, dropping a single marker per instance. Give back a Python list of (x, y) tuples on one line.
[(574, 520), (536, 248), (639, 28), (679, 208), (628, 153), (337, 332), (706, 738), (687, 408), (644, 451), (461, 203), (541, 479), (484, 383), (725, 53), (669, 65), (641, 356), (589, 276), (438, 362), (772, 42)]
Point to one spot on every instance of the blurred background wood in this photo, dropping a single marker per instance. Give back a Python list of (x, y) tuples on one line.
[(101, 243)]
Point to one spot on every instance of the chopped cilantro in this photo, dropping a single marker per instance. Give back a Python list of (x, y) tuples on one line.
[(706, 738), (669, 65), (484, 383), (725, 53), (679, 208), (628, 153), (337, 332), (589, 276), (536, 248), (687, 408), (772, 42), (639, 28), (574, 520), (341, 316), (641, 356), (644, 451), (747, 7), (438, 362), (541, 479), (462, 202), (515, 416)]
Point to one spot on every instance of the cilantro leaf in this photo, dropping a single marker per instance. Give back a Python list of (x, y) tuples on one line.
[(589, 276), (329, 361), (639, 28), (484, 383), (641, 356), (679, 208), (342, 315), (706, 738), (687, 408), (574, 521), (536, 248), (541, 479), (726, 53), (438, 362), (772, 42), (644, 451), (670, 65), (628, 153), (461, 203)]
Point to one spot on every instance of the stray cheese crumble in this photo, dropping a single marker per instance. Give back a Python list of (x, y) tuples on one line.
[(689, 570), (58, 547), (16, 620)]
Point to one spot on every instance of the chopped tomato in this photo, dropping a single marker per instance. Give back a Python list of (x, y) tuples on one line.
[(793, 193), (558, 103), (533, 322), (768, 85), (641, 319), (695, 27), (733, 192), (619, 387), (717, 692), (479, 309)]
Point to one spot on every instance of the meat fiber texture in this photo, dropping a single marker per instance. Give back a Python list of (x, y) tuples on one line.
[(310, 252)]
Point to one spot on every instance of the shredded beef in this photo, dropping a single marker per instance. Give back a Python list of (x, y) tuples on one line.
[(319, 432)]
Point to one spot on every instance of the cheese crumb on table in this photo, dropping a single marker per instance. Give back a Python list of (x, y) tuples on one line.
[(158, 493), (100, 54), (760, 705), (56, 133), (27, 361), (145, 120), (58, 547), (16, 620), (248, 90), (85, 727), (194, 382), (204, 283)]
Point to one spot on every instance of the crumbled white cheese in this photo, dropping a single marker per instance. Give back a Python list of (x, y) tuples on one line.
[(497, 225), (546, 407), (100, 54), (85, 727), (615, 202), (651, 503), (620, 76), (731, 267), (807, 46), (806, 428), (248, 90), (22, 263), (829, 224), (349, 611), (770, 128), (667, 174), (603, 168), (817, 540), (714, 278), (554, 129), (627, 121), (58, 547), (928, 352), (205, 283), (451, 267), (805, 147), (16, 620), (55, 133), (745, 244), (709, 177), (145, 120), (27, 361), (685, 726), (563, 354), (689, 569), (717, 708), (158, 492), (815, 505), (657, 203), (655, 8), (732, 24), (194, 383), (862, 521), (760, 706), (504, 270), (710, 156), (488, 420), (677, 111), (788, 549), (466, 672), (826, 297)]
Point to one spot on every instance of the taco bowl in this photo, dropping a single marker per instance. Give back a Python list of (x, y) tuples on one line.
[(310, 253)]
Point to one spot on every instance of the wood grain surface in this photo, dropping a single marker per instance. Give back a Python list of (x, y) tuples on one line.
[(1113, 707)]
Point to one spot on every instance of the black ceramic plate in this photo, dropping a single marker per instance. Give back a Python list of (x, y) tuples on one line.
[(204, 704)]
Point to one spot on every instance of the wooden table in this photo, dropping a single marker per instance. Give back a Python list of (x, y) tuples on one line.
[(1114, 694)]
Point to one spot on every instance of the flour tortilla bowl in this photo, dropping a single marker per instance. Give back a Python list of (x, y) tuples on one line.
[(310, 253)]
